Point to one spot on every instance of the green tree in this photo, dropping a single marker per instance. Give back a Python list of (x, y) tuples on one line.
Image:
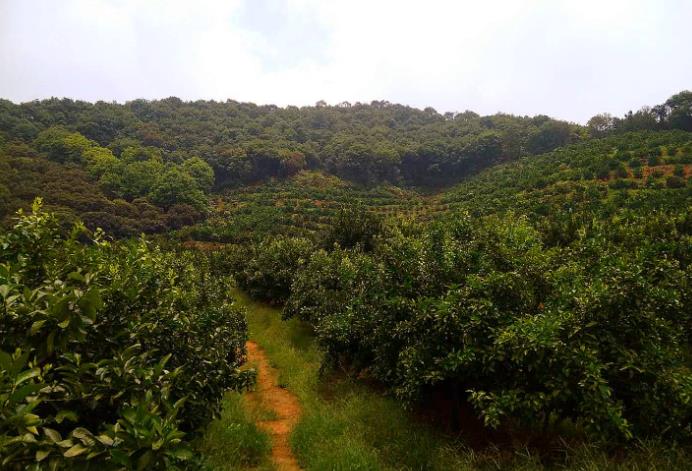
[(601, 124), (201, 172), (61, 145), (131, 180), (680, 110), (178, 187)]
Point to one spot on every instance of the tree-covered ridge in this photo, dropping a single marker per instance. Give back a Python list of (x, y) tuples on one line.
[(644, 170), (243, 142), (152, 165)]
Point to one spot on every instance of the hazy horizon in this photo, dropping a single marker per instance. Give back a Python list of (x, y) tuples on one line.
[(567, 59)]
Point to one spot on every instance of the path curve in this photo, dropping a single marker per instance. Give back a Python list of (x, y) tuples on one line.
[(285, 405)]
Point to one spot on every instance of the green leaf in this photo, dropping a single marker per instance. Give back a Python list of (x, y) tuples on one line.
[(91, 302), (26, 375), (181, 453), (5, 361), (120, 457), (21, 393), (42, 454), (76, 450), (53, 435), (66, 415), (31, 419), (84, 435), (105, 440), (94, 454), (130, 415), (65, 443), (36, 326), (144, 460), (76, 276)]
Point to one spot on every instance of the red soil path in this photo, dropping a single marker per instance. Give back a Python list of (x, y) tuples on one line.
[(284, 404)]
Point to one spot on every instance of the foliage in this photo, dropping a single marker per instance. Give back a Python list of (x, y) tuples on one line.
[(481, 310), (266, 269), (310, 205), (178, 187), (111, 355), (243, 143), (353, 227), (675, 113), (127, 150), (590, 178)]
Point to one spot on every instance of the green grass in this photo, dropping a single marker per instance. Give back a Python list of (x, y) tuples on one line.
[(233, 441), (347, 425)]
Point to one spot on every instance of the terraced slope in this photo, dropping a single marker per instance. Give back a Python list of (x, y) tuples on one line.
[(302, 205), (640, 171)]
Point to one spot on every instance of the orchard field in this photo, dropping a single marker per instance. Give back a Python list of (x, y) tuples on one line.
[(205, 285)]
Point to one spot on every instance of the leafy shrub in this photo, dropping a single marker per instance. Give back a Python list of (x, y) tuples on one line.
[(675, 181), (622, 184), (111, 355), (353, 226), (265, 269), (635, 163)]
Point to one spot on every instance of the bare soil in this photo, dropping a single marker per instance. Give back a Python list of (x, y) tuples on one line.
[(285, 406)]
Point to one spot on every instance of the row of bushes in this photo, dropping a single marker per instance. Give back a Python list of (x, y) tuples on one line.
[(265, 269), (575, 320), (596, 332), (112, 355)]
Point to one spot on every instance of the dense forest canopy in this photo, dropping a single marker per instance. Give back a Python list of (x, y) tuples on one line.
[(147, 166)]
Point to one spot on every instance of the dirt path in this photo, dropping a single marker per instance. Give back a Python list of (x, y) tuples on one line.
[(285, 405)]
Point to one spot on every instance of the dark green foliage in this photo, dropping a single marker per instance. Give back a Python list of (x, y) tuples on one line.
[(675, 181), (242, 142), (353, 227), (654, 160), (111, 355), (675, 113), (582, 314), (679, 110), (176, 186), (306, 205), (146, 149), (73, 194), (558, 182), (595, 331), (265, 269)]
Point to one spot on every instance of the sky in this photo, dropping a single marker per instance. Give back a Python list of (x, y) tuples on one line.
[(564, 58)]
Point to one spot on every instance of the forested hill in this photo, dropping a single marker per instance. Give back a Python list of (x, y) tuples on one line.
[(149, 166), (243, 142)]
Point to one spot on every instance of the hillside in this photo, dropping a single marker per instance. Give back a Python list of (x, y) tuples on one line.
[(305, 204), (641, 171), (153, 166)]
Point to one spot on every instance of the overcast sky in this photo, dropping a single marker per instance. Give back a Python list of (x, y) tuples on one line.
[(568, 59)]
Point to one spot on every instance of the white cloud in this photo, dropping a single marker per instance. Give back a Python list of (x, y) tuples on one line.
[(569, 59)]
